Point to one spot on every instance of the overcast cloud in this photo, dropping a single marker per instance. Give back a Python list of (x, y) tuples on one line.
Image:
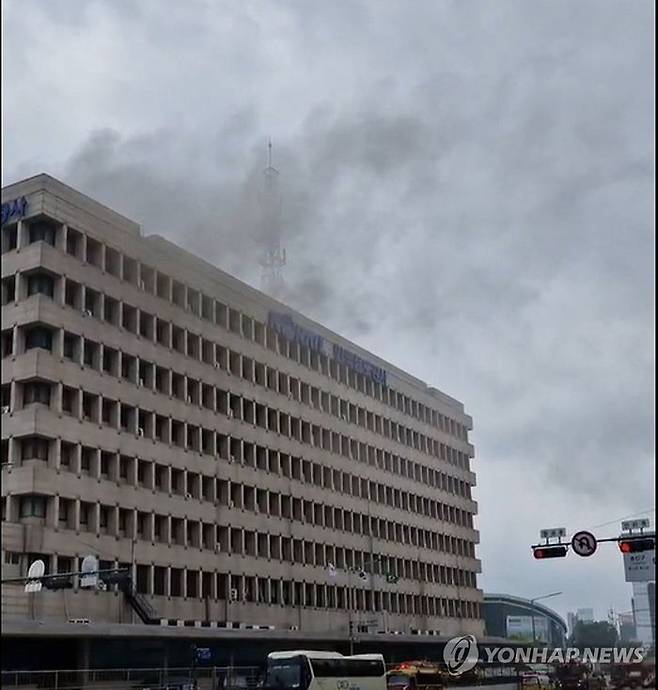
[(467, 191)]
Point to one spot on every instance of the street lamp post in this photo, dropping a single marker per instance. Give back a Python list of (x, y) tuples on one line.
[(532, 613)]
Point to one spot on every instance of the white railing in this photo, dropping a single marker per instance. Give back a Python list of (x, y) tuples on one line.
[(206, 678)]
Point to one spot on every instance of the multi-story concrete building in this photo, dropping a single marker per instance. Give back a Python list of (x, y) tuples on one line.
[(251, 467)]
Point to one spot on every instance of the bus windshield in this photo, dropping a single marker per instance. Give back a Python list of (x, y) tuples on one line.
[(284, 673)]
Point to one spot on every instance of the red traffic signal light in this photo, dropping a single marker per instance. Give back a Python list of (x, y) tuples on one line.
[(637, 545), (541, 552)]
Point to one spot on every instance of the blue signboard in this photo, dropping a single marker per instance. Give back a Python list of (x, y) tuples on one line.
[(203, 654), (285, 326), (349, 359), (14, 209)]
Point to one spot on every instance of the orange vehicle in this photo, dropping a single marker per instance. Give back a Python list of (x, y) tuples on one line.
[(415, 675), (638, 675)]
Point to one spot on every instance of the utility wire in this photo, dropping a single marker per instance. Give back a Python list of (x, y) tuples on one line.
[(624, 517)]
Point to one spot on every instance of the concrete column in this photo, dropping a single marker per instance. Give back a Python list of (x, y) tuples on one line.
[(96, 469), (132, 526), (120, 309), (77, 460), (167, 581), (135, 470), (113, 525), (167, 480), (13, 451), (61, 237), (76, 515), (151, 578), (12, 508), (17, 342), (55, 460), (167, 527), (20, 287), (97, 518), (52, 512), (57, 398), (22, 237)]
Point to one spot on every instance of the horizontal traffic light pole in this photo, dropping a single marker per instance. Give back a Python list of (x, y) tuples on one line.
[(627, 544)]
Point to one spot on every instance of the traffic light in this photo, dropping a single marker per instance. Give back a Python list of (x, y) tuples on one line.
[(637, 545), (541, 552)]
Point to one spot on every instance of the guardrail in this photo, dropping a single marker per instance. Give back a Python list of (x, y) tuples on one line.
[(207, 678)]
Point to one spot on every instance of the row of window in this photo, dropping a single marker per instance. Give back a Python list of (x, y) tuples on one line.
[(264, 459), (154, 282), (147, 424), (154, 476), (84, 516), (168, 382), (217, 586)]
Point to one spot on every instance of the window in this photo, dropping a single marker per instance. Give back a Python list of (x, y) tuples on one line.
[(36, 392), (35, 448), (347, 668), (40, 283), (33, 506), (9, 238), (42, 231), (71, 346), (7, 343), (8, 289), (39, 337), (73, 241)]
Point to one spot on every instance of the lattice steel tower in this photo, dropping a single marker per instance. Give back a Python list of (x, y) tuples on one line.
[(273, 258)]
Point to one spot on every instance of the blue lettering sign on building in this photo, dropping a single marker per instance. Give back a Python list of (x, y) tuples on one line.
[(286, 327), (14, 209), (349, 359)]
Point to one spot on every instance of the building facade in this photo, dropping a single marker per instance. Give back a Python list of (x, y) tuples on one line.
[(250, 467), (644, 612), (520, 619)]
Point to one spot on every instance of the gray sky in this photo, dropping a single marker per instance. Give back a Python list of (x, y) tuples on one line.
[(467, 191)]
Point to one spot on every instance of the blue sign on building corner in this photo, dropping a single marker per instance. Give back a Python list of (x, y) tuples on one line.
[(14, 209)]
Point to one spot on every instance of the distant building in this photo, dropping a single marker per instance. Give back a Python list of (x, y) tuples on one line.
[(585, 615), (626, 627), (644, 612), (572, 619), (512, 617)]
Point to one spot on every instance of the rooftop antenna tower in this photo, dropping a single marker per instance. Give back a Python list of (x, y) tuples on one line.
[(273, 257)]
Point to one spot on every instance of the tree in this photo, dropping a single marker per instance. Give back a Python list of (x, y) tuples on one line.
[(593, 634)]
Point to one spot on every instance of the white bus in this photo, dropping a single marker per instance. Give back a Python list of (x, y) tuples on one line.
[(304, 670)]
